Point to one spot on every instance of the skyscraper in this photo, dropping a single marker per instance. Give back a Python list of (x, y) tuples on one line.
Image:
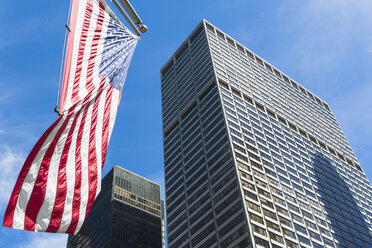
[(252, 158), (128, 212)]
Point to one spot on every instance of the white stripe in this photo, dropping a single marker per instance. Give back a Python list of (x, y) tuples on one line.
[(75, 51), (70, 176), (87, 50), (101, 104), (46, 209), (114, 108), (84, 155), (67, 215), (29, 182), (84, 152), (101, 107), (98, 135), (100, 48)]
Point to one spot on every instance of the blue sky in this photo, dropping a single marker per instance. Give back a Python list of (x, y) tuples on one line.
[(324, 45)]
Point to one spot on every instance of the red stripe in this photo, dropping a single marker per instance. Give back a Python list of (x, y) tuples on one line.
[(119, 99), (9, 213), (76, 199), (68, 56), (106, 124), (39, 190), (77, 190), (59, 204), (92, 157), (58, 209), (84, 34), (93, 52)]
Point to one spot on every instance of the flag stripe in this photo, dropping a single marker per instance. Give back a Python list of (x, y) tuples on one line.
[(114, 109), (106, 121), (87, 52), (46, 208), (29, 182), (98, 135), (70, 173), (70, 72), (83, 39), (38, 192), (79, 177), (84, 190), (69, 51), (77, 192), (94, 46), (92, 159), (58, 209)]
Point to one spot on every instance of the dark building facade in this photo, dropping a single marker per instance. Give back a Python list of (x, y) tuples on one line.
[(251, 157), (128, 212)]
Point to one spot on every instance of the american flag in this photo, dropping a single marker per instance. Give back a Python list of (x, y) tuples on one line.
[(61, 177)]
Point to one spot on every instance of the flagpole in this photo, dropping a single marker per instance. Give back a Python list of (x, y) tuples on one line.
[(141, 28), (68, 29), (126, 17)]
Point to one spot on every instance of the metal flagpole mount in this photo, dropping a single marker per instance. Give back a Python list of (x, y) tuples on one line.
[(58, 111), (142, 28), (133, 19)]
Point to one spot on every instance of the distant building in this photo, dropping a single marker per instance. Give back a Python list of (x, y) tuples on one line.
[(128, 213), (252, 158)]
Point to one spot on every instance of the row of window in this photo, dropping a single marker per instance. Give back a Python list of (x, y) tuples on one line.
[(178, 88), (307, 123), (280, 137), (203, 119), (249, 54), (271, 115)]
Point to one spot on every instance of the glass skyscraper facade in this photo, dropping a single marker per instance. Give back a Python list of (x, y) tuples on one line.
[(252, 158), (128, 212)]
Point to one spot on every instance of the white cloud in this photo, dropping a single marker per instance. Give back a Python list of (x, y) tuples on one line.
[(8, 96), (10, 164), (45, 240), (2, 132), (320, 33)]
